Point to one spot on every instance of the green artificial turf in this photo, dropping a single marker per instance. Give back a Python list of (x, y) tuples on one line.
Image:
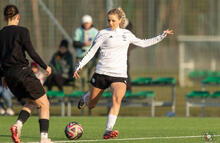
[(131, 129)]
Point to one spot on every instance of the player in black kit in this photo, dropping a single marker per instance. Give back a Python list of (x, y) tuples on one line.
[(18, 76)]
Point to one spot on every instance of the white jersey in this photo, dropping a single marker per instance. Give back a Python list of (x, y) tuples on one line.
[(113, 46)]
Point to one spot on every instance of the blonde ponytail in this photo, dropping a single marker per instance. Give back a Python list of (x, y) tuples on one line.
[(121, 14)]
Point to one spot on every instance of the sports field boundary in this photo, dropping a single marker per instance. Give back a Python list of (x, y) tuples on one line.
[(129, 139)]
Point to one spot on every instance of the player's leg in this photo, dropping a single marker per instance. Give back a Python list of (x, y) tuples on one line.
[(44, 115), (90, 98), (118, 92), (36, 92), (22, 118), (96, 93)]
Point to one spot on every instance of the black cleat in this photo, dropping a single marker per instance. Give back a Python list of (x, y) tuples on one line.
[(81, 104)]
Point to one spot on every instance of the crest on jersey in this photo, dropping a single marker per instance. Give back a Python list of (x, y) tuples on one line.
[(124, 38)]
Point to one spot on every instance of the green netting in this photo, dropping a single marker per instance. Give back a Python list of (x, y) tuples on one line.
[(201, 94), (55, 93)]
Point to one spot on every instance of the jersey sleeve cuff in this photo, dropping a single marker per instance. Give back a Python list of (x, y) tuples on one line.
[(163, 34), (77, 67)]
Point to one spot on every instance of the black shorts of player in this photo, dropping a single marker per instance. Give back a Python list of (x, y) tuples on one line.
[(104, 81), (23, 83)]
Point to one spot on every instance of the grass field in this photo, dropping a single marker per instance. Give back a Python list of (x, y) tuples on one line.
[(132, 129)]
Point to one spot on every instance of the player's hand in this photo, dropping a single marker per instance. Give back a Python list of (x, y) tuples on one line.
[(4, 83), (168, 31), (49, 70), (89, 43), (75, 74)]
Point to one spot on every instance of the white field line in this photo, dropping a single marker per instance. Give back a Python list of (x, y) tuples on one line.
[(128, 139)]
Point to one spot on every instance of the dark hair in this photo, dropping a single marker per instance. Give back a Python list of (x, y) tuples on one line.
[(64, 43), (10, 11)]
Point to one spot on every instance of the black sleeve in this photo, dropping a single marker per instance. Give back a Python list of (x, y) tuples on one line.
[(32, 53), (1, 72), (78, 44)]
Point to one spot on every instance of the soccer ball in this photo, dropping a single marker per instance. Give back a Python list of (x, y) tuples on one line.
[(73, 131)]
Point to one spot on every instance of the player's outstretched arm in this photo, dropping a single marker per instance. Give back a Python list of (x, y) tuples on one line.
[(149, 42)]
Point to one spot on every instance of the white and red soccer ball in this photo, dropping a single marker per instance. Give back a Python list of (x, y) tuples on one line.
[(73, 131)]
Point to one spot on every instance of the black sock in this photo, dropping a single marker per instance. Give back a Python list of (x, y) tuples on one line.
[(23, 116), (44, 125)]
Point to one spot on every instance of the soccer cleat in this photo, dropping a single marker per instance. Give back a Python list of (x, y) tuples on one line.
[(81, 104), (46, 140), (15, 134), (110, 134)]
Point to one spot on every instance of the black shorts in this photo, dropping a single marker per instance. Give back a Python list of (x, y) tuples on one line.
[(104, 81), (23, 83)]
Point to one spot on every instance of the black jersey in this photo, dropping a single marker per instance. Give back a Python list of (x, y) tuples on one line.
[(14, 41)]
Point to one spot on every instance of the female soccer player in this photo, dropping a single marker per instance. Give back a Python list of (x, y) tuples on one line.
[(18, 76), (111, 70)]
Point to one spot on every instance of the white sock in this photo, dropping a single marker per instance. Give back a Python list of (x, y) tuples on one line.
[(43, 135), (19, 124), (86, 97), (111, 122)]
